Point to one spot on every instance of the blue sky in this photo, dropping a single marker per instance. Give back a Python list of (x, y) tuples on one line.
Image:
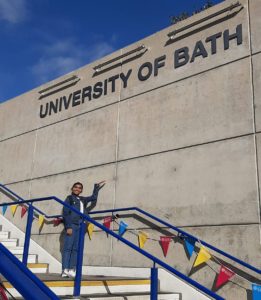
[(43, 39)]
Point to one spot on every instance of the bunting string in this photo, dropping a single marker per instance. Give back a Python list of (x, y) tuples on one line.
[(221, 264), (203, 256), (224, 273)]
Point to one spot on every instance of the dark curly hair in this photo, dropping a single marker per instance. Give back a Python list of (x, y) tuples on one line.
[(77, 183)]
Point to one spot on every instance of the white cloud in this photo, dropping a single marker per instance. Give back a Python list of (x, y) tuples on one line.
[(63, 56), (13, 11), (47, 68)]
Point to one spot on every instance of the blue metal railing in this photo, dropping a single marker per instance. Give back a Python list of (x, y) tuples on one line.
[(155, 260), (182, 232)]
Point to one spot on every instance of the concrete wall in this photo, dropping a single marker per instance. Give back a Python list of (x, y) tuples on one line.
[(184, 144)]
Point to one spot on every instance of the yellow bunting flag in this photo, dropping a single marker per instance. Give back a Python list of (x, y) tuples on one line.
[(13, 208), (143, 236), (90, 228), (40, 221), (203, 256)]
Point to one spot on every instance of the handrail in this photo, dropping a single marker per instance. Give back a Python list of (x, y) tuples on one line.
[(21, 199), (160, 221), (128, 243), (183, 233)]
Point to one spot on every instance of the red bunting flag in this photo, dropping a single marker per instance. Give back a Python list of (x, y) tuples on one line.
[(3, 294), (224, 275), (57, 222), (164, 241), (107, 222), (23, 211)]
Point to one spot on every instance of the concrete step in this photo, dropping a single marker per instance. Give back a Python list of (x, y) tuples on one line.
[(129, 297), (16, 250), (38, 268), (12, 245), (4, 235), (93, 286), (32, 258), (9, 243)]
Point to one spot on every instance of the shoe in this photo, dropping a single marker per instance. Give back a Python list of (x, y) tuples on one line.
[(65, 273), (72, 273)]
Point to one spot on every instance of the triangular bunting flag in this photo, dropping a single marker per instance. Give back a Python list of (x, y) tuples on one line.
[(40, 221), (143, 236), (4, 208), (122, 228), (23, 211), (13, 208), (190, 245), (57, 222), (256, 291), (3, 294), (165, 241), (203, 256), (90, 228), (224, 275), (107, 222)]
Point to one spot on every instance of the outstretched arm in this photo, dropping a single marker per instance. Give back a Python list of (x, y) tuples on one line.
[(93, 198)]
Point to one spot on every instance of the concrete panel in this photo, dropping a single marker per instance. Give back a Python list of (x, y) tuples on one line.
[(236, 240), (241, 241), (51, 237), (105, 85), (255, 22), (211, 106), (258, 141), (60, 186), (80, 142), (22, 189), (52, 243), (257, 89), (113, 74), (17, 158), (209, 184), (158, 46), (25, 109), (18, 115), (97, 251)]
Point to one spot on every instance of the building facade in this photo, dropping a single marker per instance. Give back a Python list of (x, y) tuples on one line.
[(172, 123)]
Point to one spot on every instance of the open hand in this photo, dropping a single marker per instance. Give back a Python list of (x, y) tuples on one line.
[(69, 231), (101, 184)]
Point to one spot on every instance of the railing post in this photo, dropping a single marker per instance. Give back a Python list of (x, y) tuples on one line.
[(154, 283), (30, 217), (78, 277)]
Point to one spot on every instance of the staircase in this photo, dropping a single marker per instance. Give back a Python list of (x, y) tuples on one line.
[(161, 280), (13, 245), (96, 287)]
